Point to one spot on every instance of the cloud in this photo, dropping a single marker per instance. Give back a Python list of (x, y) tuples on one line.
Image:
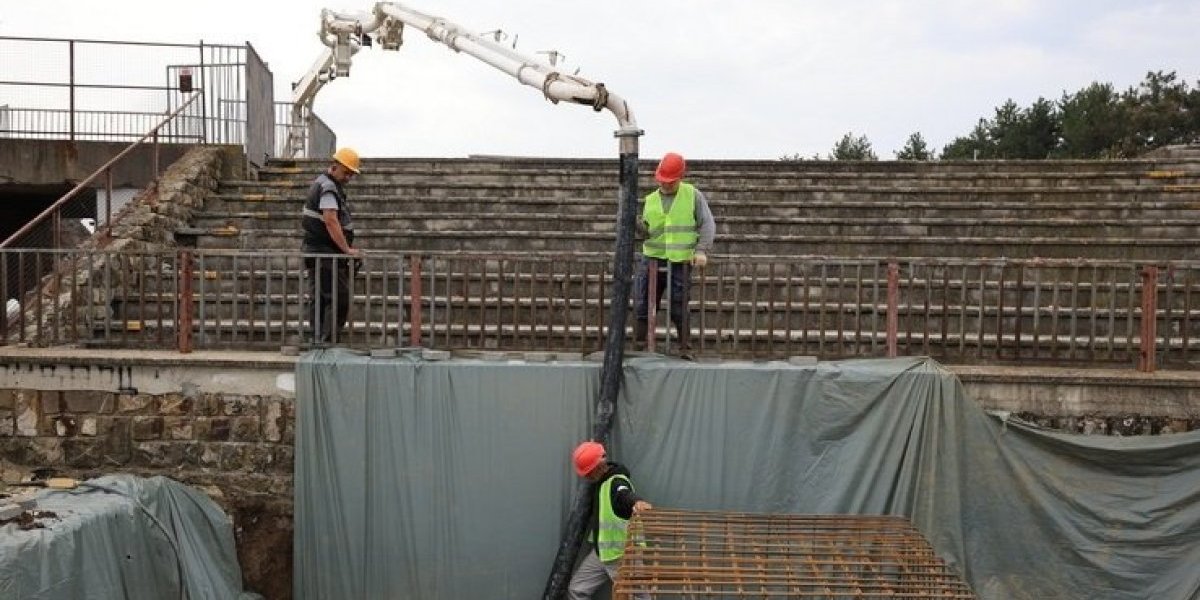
[(711, 78)]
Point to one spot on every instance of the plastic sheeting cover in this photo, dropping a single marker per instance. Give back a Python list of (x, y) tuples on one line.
[(103, 545), (451, 480)]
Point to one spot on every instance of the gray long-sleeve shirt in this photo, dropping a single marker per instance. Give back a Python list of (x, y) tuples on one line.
[(704, 220)]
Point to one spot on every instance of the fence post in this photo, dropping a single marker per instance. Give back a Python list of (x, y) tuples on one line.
[(56, 219), (414, 285), (203, 101), (652, 304), (71, 87), (1149, 329), (186, 298), (893, 308)]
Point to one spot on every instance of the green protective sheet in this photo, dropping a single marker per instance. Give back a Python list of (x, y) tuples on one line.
[(451, 480), (110, 540)]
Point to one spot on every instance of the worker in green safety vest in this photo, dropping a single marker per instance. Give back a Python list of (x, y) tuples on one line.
[(678, 228), (616, 502)]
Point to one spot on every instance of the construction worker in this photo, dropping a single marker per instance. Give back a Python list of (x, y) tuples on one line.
[(679, 230), (616, 503), (329, 229)]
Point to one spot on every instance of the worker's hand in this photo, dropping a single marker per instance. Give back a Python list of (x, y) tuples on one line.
[(699, 259), (354, 252), (641, 506)]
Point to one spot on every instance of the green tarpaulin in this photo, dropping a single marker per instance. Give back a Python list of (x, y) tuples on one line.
[(123, 537), (451, 480)]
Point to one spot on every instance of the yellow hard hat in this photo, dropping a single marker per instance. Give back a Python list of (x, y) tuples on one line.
[(348, 158)]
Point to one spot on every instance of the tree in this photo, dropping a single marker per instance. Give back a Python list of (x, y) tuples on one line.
[(1041, 131), (915, 149), (1158, 115), (1024, 133), (853, 148), (1092, 123), (797, 157), (977, 145)]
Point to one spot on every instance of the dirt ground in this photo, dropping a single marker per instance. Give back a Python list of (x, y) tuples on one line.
[(263, 530)]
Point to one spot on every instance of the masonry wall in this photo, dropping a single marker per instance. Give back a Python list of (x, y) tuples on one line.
[(51, 162), (227, 431)]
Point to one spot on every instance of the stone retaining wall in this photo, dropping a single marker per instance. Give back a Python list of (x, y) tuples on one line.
[(224, 431)]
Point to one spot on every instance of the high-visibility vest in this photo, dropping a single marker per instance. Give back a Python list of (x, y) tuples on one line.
[(312, 222), (671, 236), (610, 539)]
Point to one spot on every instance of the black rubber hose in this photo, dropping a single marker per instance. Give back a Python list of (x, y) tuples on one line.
[(610, 375)]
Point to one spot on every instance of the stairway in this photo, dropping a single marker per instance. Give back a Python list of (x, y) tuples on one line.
[(516, 254)]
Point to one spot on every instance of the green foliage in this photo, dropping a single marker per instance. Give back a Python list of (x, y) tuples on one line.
[(1160, 112), (975, 146), (915, 149), (1094, 122), (853, 148), (797, 157)]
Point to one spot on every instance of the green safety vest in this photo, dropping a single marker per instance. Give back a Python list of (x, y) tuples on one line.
[(610, 539), (672, 236)]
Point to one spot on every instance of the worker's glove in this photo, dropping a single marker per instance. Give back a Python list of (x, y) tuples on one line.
[(699, 259)]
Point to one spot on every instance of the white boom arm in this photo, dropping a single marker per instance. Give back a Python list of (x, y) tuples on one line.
[(343, 34)]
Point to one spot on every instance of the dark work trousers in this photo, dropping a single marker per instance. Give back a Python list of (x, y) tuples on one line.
[(325, 293), (681, 283)]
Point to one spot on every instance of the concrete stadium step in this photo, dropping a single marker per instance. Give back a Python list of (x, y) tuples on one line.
[(475, 277), (834, 297), (547, 178), (716, 189), (516, 241), (745, 342), (731, 227), (647, 165), (254, 206), (834, 313)]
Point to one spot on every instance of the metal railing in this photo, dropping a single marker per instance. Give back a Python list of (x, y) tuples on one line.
[(76, 89), (319, 139), (1077, 312), (25, 237), (46, 230), (73, 89)]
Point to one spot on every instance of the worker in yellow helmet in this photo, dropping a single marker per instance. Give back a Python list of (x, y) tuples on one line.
[(616, 503), (329, 230)]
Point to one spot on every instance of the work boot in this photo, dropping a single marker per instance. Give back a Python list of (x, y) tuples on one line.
[(685, 341), (639, 335)]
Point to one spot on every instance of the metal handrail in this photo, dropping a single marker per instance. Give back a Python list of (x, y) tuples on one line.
[(58, 204), (1126, 312)]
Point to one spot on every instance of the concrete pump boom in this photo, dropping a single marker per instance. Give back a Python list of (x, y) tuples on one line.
[(345, 34)]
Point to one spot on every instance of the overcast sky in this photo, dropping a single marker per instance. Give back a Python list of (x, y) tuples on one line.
[(729, 79)]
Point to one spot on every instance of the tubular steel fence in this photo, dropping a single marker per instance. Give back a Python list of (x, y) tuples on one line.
[(317, 139), (115, 90), (96, 90), (1079, 312)]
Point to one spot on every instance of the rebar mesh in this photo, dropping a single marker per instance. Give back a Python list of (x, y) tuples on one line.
[(692, 554)]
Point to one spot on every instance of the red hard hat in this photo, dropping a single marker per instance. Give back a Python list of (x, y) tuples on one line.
[(670, 168), (587, 456)]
